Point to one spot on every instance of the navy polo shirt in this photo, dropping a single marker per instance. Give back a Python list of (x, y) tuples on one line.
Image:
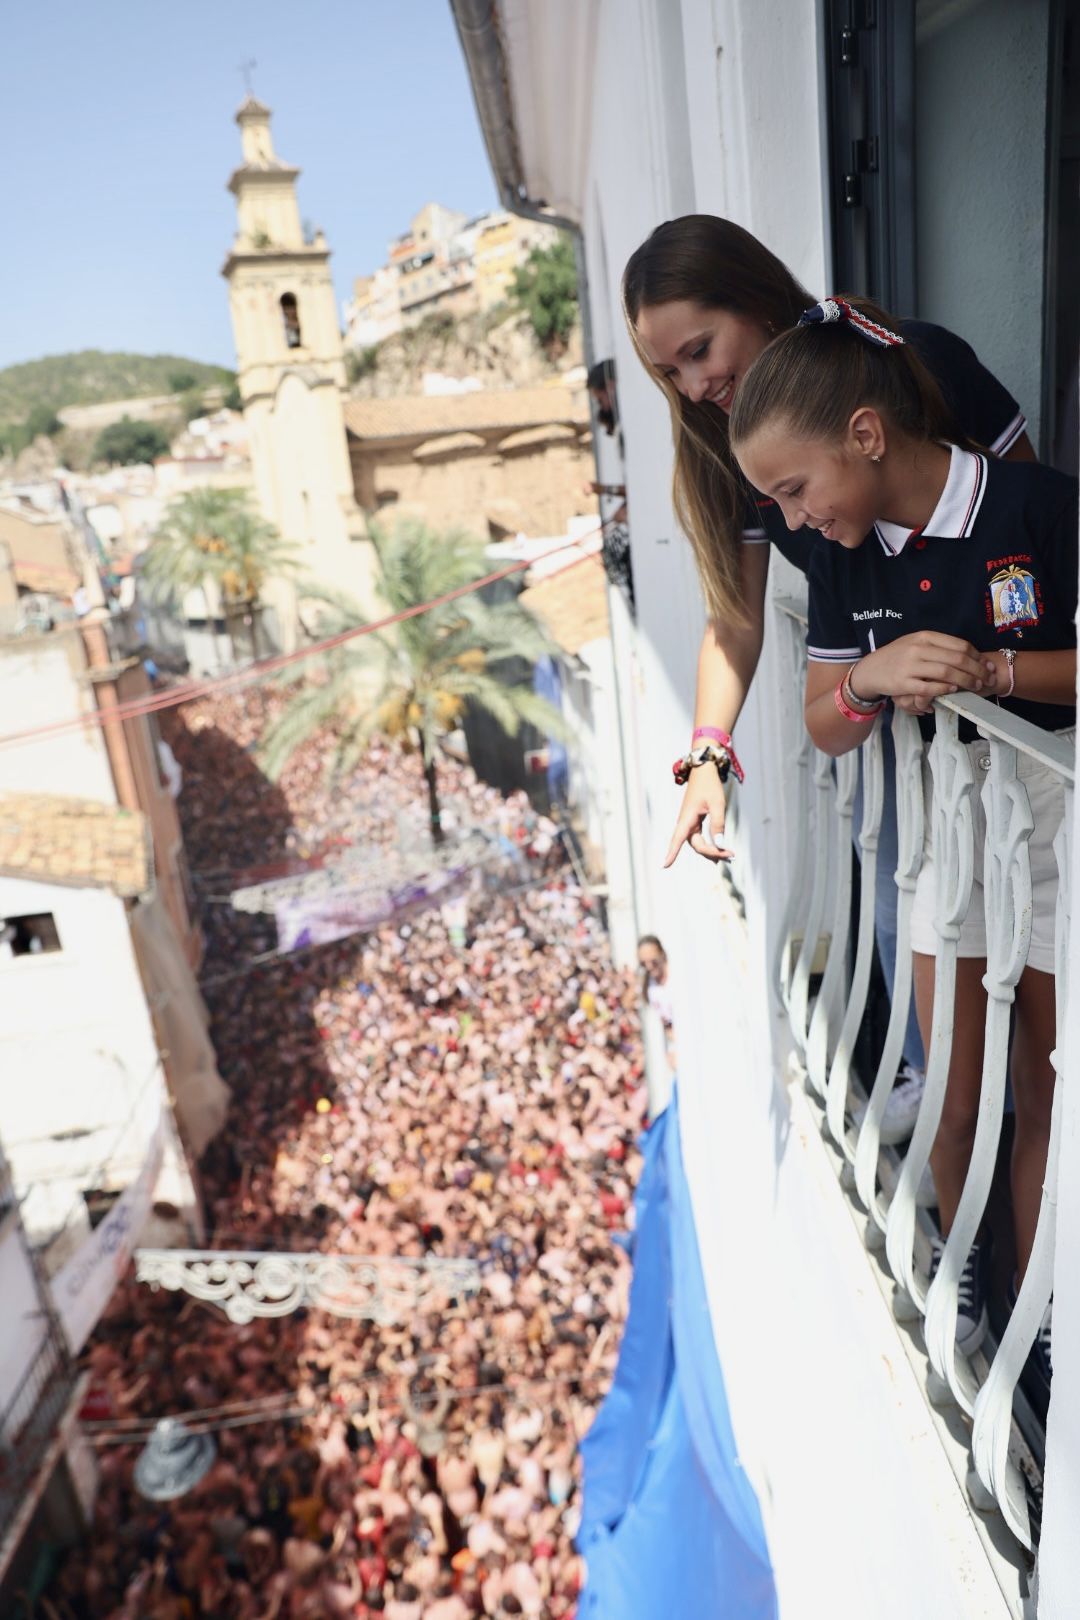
[(983, 410), (995, 564)]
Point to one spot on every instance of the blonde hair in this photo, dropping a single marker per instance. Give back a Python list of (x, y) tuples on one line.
[(714, 263)]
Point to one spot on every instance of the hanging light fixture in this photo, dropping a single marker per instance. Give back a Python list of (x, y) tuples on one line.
[(173, 1461)]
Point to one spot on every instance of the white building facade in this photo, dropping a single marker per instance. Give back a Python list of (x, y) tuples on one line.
[(110, 1081), (795, 118), (49, 1472)]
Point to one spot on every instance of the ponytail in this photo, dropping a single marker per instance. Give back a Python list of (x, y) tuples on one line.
[(843, 353)]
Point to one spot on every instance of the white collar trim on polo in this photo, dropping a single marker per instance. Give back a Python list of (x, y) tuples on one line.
[(953, 517)]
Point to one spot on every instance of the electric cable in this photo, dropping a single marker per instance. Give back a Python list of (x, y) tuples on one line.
[(262, 669), (105, 1431)]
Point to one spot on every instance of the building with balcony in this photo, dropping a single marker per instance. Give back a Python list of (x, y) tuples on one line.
[(891, 1476), (374, 311), (47, 1471), (443, 262), (113, 1090)]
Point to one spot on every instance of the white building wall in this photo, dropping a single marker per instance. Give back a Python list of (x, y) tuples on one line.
[(25, 1327), (42, 680), (83, 1084), (596, 785), (831, 1424)]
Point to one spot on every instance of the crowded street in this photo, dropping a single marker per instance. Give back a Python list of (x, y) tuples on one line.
[(465, 1083)]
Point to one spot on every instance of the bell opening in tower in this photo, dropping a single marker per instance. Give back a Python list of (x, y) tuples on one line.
[(290, 316)]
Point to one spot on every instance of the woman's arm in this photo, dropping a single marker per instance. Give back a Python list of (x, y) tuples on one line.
[(726, 664), (912, 670)]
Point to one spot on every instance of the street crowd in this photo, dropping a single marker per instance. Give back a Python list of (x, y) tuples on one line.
[(424, 1090)]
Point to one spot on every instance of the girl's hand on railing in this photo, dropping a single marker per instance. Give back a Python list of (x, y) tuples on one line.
[(914, 705), (704, 800), (915, 669)]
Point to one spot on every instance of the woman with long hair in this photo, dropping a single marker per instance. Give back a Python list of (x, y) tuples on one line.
[(703, 298)]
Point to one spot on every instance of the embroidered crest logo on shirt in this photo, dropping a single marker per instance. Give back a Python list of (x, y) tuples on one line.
[(1014, 597)]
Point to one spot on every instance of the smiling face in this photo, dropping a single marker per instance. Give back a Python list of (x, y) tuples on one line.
[(653, 960), (704, 352), (829, 485)]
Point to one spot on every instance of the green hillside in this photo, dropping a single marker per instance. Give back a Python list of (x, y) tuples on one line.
[(93, 377)]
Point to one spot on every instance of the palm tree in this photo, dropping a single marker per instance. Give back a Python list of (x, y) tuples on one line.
[(412, 682), (215, 537)]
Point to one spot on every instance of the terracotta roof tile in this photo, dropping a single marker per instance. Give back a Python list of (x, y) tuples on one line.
[(52, 839), (571, 604), (422, 415)]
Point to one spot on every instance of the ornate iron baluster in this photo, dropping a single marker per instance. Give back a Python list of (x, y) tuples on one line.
[(840, 1072), (993, 1408), (953, 785), (907, 740), (1007, 890)]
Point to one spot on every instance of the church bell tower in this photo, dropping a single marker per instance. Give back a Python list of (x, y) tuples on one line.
[(291, 373)]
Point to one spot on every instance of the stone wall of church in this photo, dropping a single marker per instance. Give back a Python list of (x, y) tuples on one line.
[(534, 490)]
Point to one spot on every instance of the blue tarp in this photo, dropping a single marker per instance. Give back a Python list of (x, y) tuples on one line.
[(670, 1524), (547, 683)]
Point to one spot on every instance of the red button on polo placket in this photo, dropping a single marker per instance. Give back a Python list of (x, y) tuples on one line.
[(920, 545), (924, 584)]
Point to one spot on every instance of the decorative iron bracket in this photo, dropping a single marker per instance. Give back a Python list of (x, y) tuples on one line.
[(374, 1288)]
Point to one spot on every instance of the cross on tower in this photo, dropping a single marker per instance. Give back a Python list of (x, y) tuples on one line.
[(247, 69)]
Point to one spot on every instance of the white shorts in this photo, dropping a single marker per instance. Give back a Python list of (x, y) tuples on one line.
[(1046, 792)]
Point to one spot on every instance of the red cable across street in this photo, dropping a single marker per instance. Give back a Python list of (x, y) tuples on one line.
[(136, 707)]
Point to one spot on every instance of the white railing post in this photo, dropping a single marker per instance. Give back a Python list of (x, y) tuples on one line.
[(954, 782), (799, 895), (908, 746), (993, 1408), (1007, 896), (831, 995), (873, 798), (823, 838), (795, 746)]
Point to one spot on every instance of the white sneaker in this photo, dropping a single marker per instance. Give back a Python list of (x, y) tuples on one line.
[(902, 1108)]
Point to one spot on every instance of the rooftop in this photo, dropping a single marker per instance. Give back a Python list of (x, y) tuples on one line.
[(422, 415), (572, 604), (80, 843)]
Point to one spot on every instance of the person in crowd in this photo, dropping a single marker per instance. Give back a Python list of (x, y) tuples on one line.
[(653, 962), (601, 385), (396, 1093), (703, 298), (656, 990), (841, 424)]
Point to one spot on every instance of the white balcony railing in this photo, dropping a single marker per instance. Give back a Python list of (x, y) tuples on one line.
[(824, 1027)]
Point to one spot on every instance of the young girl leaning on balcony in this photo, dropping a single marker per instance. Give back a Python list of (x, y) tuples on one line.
[(948, 571)]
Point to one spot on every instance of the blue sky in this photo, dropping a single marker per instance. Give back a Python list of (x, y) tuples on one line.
[(116, 123)]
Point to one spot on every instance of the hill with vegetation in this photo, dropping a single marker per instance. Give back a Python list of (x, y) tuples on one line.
[(498, 348), (94, 376), (534, 337)]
